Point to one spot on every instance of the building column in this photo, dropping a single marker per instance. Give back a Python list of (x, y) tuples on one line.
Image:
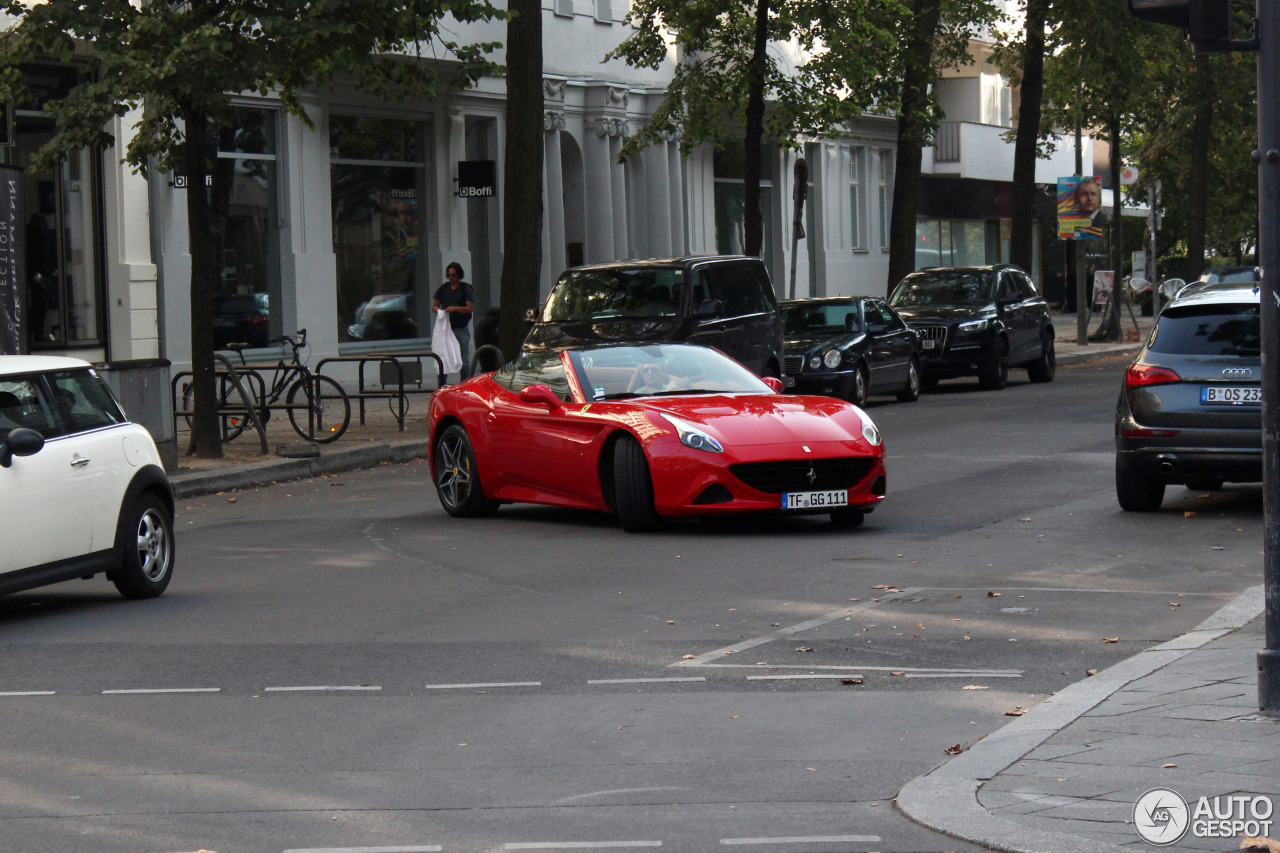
[(132, 293), (599, 194)]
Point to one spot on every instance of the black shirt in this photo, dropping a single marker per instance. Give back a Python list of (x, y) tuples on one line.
[(450, 298)]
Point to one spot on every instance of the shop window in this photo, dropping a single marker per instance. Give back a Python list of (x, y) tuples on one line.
[(857, 203), (243, 201), (379, 187)]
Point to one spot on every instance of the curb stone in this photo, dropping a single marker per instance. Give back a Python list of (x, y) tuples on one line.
[(193, 483), (946, 799)]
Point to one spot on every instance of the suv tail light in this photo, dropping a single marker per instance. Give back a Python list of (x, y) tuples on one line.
[(1139, 375)]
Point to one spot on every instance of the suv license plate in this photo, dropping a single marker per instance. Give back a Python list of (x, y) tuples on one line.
[(814, 500), (1230, 395)]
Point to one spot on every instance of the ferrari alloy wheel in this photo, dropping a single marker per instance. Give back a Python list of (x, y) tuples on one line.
[(911, 391), (457, 478), (995, 375), (633, 488)]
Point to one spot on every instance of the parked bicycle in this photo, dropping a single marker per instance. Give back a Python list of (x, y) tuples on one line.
[(317, 406)]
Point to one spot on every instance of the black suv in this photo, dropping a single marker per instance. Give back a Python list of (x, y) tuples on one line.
[(978, 321), (722, 301), (1190, 408)]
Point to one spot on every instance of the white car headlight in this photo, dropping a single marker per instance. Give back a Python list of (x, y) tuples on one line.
[(974, 326), (814, 362), (691, 436), (832, 358), (870, 433)]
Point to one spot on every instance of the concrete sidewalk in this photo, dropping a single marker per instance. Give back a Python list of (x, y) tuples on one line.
[(1066, 776)]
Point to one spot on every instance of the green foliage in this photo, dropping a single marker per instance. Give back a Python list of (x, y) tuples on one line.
[(171, 57)]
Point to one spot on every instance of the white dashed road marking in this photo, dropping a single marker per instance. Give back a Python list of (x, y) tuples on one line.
[(31, 693), (488, 684), (321, 689), (643, 680), (806, 839), (577, 845), (163, 690), (428, 848), (844, 675)]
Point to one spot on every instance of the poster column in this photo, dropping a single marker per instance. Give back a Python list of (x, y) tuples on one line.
[(13, 339)]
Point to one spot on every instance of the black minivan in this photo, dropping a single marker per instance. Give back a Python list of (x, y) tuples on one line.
[(722, 301)]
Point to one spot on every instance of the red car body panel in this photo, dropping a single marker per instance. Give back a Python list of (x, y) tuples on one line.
[(536, 453)]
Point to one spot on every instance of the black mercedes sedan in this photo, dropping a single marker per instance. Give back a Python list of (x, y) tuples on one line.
[(849, 347)]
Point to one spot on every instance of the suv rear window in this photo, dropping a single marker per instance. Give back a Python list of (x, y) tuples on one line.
[(1208, 330)]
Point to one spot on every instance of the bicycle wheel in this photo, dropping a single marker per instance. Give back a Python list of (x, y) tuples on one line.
[(330, 407), (230, 423)]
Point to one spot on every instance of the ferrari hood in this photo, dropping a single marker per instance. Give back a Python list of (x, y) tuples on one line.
[(746, 420)]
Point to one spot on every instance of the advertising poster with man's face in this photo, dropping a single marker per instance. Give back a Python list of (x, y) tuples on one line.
[(1079, 206)]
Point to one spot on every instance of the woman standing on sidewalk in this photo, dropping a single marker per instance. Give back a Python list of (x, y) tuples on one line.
[(458, 301)]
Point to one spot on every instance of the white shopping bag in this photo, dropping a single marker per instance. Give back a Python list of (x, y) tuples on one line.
[(445, 345)]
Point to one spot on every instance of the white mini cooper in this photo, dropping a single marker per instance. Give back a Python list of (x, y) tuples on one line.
[(82, 490)]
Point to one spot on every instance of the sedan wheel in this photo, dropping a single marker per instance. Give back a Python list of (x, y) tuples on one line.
[(861, 383), (457, 478), (147, 563), (911, 391)]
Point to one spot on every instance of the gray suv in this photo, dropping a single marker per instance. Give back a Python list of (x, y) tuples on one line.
[(1190, 408), (721, 301)]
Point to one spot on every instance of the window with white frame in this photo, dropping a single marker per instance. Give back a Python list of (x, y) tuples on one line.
[(885, 195), (857, 202)]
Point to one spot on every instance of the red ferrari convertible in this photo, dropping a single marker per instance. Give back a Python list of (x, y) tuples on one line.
[(650, 431)]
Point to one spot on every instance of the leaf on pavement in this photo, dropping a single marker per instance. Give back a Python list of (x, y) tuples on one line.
[(804, 648), (975, 687), (687, 657), (1017, 711), (897, 673), (1167, 766), (1092, 672), (851, 681), (1259, 842), (993, 595), (1189, 514), (954, 750), (1024, 519), (1110, 639)]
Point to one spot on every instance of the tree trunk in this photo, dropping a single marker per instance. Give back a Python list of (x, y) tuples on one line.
[(206, 439), (522, 175), (1021, 229), (752, 223), (913, 124), (1198, 188), (1117, 225)]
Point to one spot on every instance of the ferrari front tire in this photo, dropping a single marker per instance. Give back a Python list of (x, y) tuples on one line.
[(458, 478), (633, 488)]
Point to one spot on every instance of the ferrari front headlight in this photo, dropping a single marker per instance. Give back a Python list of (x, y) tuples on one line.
[(691, 436), (870, 433)]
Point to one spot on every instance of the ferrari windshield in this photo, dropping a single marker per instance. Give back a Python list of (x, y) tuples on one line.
[(586, 295), (940, 288), (621, 372)]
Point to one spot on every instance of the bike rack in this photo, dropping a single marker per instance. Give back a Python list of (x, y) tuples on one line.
[(244, 398)]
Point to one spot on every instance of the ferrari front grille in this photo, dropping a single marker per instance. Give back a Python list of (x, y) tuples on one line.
[(803, 475)]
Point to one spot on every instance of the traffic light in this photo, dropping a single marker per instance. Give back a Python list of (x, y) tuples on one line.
[(1207, 22)]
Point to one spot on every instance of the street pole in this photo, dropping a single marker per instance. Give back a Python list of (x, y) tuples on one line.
[(1268, 159), (1153, 264), (1082, 297)]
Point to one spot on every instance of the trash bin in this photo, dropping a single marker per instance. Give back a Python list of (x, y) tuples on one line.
[(142, 387)]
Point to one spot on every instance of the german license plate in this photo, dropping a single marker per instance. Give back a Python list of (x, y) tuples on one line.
[(1230, 395), (814, 500), (929, 344), (788, 382)]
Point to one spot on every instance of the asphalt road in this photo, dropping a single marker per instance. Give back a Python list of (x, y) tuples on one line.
[(338, 665)]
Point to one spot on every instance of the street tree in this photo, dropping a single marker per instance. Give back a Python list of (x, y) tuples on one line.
[(936, 36), (180, 62), (1094, 65), (728, 83), (522, 173)]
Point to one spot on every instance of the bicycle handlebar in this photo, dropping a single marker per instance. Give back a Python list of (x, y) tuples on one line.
[(297, 342)]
